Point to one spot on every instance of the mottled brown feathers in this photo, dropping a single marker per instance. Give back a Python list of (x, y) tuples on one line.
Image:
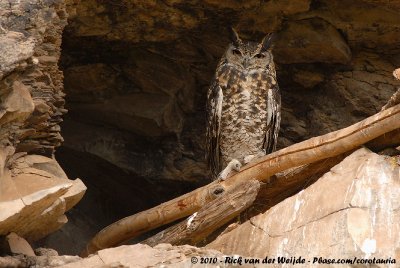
[(243, 104)]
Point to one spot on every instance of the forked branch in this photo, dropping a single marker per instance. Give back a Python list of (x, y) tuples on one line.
[(302, 153), (210, 217)]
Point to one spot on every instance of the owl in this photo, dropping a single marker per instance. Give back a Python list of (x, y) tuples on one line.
[(243, 106)]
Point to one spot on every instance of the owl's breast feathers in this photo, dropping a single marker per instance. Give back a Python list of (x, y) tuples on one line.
[(249, 113)]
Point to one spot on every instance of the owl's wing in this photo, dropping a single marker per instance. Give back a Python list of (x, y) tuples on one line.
[(214, 110), (273, 119)]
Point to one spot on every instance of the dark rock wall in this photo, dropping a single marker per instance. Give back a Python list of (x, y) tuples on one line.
[(136, 72)]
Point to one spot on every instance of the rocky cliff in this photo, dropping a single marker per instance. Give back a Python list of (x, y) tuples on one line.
[(135, 74), (34, 190)]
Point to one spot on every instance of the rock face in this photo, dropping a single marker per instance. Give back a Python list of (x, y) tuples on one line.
[(34, 190), (136, 76), (144, 256), (351, 211), (136, 73), (163, 255)]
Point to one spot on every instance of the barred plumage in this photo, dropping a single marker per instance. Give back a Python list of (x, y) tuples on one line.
[(243, 106)]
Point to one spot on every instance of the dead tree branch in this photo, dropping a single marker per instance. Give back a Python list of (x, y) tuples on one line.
[(302, 153), (210, 217)]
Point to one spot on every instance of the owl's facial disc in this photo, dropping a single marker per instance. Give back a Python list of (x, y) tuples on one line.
[(248, 56)]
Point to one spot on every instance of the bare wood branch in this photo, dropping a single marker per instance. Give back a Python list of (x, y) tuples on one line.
[(395, 99), (286, 183), (302, 153), (210, 217), (289, 182), (392, 138)]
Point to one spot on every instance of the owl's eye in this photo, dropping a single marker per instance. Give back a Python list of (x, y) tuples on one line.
[(236, 52), (260, 56)]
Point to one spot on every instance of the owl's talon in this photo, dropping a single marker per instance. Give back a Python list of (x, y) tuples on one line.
[(220, 178), (234, 164), (248, 158)]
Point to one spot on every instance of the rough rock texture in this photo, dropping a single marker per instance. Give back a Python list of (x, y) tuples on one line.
[(136, 73), (14, 244), (139, 255), (34, 195), (31, 86), (34, 190), (162, 255), (351, 211), (23, 261), (107, 199), (396, 73)]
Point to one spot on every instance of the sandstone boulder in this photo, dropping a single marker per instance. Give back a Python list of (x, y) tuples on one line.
[(351, 211), (145, 256), (35, 192), (15, 244), (34, 195)]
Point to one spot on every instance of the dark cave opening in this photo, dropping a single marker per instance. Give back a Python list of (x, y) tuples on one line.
[(134, 76), (126, 167), (135, 128)]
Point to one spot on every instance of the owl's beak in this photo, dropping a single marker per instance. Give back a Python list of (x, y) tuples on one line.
[(246, 62)]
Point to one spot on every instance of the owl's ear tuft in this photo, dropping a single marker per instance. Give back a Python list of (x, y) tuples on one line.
[(234, 37), (267, 42)]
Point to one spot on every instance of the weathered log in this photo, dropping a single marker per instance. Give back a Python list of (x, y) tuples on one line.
[(210, 217), (279, 187), (394, 100), (286, 183), (392, 138), (306, 152), (289, 182)]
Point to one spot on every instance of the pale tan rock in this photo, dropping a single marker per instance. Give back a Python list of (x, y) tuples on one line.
[(19, 245), (162, 255), (11, 262), (24, 261), (89, 262), (351, 211), (57, 261), (17, 105), (14, 49), (74, 194), (25, 216), (45, 252), (35, 192), (34, 195), (8, 190), (396, 73)]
